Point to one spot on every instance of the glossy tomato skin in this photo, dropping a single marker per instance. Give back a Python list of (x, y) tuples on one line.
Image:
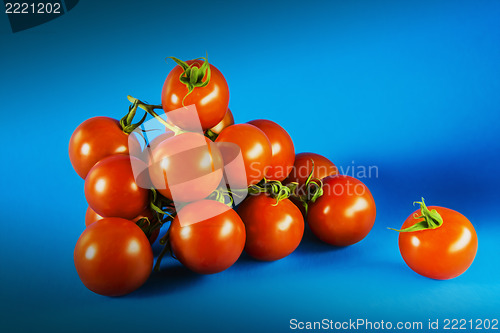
[(113, 257), (187, 167), (344, 214), (255, 149), (273, 230), (442, 253), (111, 189), (283, 151), (303, 166), (148, 150), (227, 121), (91, 217), (211, 101), (97, 138), (209, 246)]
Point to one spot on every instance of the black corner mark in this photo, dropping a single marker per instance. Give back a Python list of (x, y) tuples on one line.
[(28, 14)]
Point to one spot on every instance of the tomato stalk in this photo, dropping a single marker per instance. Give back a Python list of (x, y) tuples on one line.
[(431, 219), (150, 108), (126, 122), (313, 189)]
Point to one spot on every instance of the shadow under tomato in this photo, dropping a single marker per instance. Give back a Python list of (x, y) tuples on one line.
[(171, 277), (311, 244)]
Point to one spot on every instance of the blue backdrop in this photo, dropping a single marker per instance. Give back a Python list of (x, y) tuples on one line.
[(410, 87)]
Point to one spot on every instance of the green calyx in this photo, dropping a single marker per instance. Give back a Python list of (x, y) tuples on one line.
[(194, 76), (313, 188), (126, 122), (431, 219), (274, 188)]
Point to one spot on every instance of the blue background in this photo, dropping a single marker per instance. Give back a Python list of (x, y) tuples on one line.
[(409, 86)]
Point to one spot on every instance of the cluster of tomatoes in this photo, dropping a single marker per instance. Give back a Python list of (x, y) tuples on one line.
[(219, 188)]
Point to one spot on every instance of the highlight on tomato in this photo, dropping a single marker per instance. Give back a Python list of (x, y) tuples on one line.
[(227, 121), (195, 82), (208, 237), (283, 151), (437, 242), (113, 257), (344, 214), (274, 228)]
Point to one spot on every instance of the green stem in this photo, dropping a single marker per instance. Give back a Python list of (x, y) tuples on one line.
[(431, 219)]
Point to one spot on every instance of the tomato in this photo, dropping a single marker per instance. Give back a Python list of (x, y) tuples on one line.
[(186, 167), (228, 120), (113, 257), (255, 149), (111, 189), (344, 214), (273, 230), (97, 138), (283, 152), (91, 217), (442, 253), (211, 101), (210, 244), (303, 166)]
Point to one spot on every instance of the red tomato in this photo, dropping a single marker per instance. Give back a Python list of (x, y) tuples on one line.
[(302, 168), (113, 257), (97, 138), (255, 149), (209, 246), (91, 217), (211, 101), (111, 189), (228, 120), (344, 214), (273, 230), (441, 253), (186, 167), (283, 152)]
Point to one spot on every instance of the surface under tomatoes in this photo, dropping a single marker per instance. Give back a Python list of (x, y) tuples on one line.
[(283, 151), (186, 167), (113, 257), (442, 253), (273, 230), (210, 239), (97, 138), (211, 101), (255, 149), (303, 166), (344, 214), (112, 190)]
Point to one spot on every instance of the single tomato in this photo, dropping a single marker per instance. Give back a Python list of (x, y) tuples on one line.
[(443, 252), (283, 151), (97, 138), (344, 214), (273, 230), (211, 100), (113, 257), (186, 167), (210, 239), (112, 190), (255, 149)]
